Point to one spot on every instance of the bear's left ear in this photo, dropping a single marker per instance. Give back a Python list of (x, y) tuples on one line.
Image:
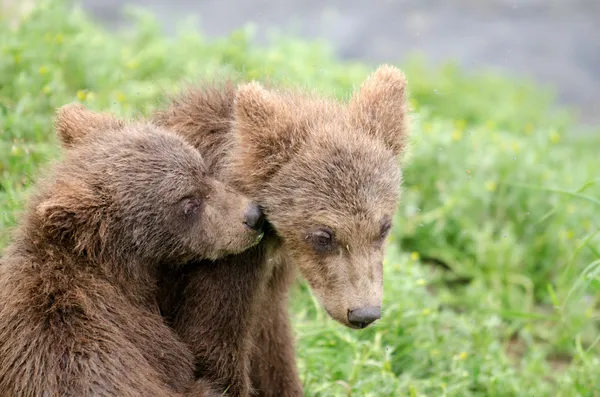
[(379, 108), (267, 134), (74, 122), (71, 215)]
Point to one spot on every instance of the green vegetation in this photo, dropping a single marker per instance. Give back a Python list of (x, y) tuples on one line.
[(493, 270)]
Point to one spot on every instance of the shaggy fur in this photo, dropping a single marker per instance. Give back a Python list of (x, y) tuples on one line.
[(78, 286), (328, 177)]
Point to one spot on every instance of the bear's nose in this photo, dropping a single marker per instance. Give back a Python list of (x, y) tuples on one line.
[(254, 217), (364, 316)]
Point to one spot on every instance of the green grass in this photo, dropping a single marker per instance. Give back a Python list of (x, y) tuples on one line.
[(493, 270)]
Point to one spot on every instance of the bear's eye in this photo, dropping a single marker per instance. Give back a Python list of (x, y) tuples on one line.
[(386, 225), (322, 239), (191, 205)]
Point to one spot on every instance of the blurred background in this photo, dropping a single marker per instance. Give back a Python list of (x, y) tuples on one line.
[(553, 42)]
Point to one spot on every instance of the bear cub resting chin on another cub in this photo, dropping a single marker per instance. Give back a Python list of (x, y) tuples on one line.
[(78, 285), (96, 268)]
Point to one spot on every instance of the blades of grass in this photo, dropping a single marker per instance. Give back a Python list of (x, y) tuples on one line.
[(594, 343), (514, 314), (552, 190), (576, 252), (553, 296), (593, 249), (580, 280), (526, 283), (553, 210), (437, 213)]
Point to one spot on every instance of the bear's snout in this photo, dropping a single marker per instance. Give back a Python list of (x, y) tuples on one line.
[(361, 318), (254, 217)]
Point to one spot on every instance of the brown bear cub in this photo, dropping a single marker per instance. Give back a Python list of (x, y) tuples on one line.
[(78, 285), (328, 176)]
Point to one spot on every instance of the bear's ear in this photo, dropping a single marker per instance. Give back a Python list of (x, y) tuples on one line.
[(71, 215), (266, 132), (379, 108), (254, 109), (74, 122)]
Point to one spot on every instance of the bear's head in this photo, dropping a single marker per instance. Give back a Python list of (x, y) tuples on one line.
[(328, 177), (132, 190)]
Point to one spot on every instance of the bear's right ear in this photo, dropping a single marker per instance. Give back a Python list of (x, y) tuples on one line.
[(74, 122), (266, 132)]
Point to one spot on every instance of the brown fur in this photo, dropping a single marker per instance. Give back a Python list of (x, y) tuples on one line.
[(315, 166), (78, 304)]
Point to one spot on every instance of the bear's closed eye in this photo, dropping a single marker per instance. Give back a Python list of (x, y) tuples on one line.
[(191, 205)]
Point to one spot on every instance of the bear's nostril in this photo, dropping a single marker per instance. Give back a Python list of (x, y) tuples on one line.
[(364, 316), (254, 217)]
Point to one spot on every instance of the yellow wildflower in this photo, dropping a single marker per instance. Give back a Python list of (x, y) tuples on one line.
[(133, 64), (457, 135), (491, 186), (528, 128), (43, 70), (490, 124), (120, 97), (569, 234), (589, 312), (413, 103), (81, 95), (414, 256)]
